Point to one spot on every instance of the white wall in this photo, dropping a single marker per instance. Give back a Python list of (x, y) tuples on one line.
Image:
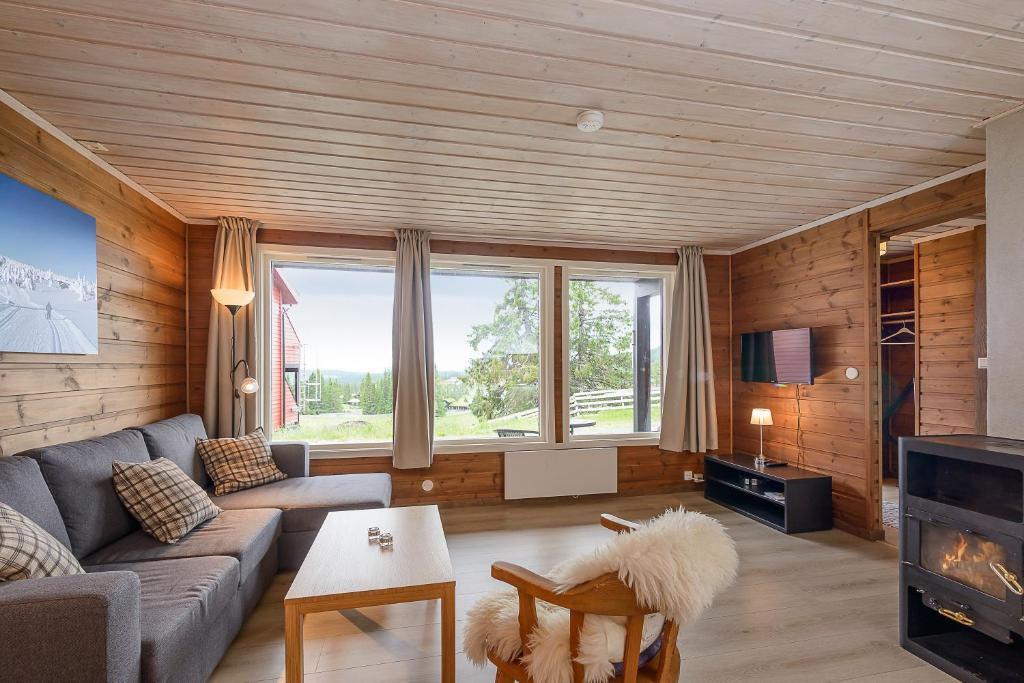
[(1004, 195)]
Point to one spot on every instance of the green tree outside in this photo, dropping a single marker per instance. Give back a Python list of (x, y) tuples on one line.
[(503, 380), (600, 338)]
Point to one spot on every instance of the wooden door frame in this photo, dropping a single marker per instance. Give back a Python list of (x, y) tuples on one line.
[(948, 201)]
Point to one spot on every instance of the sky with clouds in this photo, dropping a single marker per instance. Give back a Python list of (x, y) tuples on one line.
[(344, 315)]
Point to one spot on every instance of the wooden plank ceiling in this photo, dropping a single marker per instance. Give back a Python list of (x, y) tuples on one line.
[(726, 120), (904, 243)]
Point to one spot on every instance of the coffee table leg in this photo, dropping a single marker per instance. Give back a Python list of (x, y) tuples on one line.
[(448, 634), (293, 619)]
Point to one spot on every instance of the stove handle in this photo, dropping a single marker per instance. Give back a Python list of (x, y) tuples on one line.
[(1007, 577), (958, 617)]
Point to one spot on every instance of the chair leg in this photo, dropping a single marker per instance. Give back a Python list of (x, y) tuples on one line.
[(499, 677)]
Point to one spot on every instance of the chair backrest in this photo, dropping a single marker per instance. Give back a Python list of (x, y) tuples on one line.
[(507, 433), (664, 576), (605, 595)]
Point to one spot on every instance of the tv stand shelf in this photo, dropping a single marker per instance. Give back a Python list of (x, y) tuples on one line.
[(807, 503)]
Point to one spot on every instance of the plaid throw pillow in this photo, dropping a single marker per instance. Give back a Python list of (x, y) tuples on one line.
[(238, 464), (165, 501), (27, 551)]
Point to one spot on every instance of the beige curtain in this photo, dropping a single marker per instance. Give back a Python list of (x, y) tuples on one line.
[(412, 346), (233, 266), (689, 419)]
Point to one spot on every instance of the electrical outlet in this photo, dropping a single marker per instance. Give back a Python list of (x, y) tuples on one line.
[(983, 363), (688, 475)]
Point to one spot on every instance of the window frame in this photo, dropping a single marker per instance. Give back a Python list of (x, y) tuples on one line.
[(546, 346), (268, 255), (598, 270)]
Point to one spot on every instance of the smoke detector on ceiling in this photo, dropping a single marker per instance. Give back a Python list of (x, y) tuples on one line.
[(590, 121), (93, 146)]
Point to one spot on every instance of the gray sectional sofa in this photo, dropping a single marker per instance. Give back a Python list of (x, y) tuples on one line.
[(145, 610)]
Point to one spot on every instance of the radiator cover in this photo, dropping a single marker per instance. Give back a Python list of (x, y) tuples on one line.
[(561, 472)]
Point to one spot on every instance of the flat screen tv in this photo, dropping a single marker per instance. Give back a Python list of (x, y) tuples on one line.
[(777, 357)]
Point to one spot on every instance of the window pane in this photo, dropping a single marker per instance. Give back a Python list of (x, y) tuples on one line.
[(331, 353), (486, 351), (614, 355)]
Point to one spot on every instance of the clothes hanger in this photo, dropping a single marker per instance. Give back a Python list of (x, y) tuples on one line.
[(903, 330)]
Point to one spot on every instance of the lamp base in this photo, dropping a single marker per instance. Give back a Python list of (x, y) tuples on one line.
[(761, 461)]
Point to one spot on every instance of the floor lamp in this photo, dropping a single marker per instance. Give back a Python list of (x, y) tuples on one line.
[(235, 300)]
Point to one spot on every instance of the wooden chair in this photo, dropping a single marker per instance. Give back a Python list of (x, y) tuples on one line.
[(506, 433), (605, 595)]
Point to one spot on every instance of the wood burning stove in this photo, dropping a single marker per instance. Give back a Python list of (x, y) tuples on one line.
[(962, 555)]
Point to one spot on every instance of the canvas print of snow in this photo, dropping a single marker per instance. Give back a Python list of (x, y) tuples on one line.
[(47, 274)]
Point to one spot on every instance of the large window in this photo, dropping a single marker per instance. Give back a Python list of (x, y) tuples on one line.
[(487, 341), (614, 354), (326, 351), (330, 352)]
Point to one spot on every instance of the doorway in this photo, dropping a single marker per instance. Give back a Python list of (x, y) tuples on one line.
[(925, 330), (897, 380)]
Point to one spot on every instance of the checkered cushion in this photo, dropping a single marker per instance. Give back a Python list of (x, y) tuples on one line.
[(239, 464), (27, 551), (165, 500)]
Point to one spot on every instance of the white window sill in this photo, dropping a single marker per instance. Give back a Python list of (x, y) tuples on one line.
[(330, 451)]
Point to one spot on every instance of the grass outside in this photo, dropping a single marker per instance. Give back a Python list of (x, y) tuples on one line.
[(355, 427)]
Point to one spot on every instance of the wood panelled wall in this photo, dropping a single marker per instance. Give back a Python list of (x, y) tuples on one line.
[(139, 374), (946, 322), (815, 279), (477, 477), (201, 240)]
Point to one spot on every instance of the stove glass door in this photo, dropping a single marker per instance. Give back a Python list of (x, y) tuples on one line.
[(968, 558)]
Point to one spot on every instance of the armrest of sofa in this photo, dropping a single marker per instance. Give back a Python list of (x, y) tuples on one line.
[(83, 628), (292, 457)]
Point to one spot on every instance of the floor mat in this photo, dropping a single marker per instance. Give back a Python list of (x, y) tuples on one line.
[(891, 513)]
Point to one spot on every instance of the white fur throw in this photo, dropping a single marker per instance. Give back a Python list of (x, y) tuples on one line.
[(676, 564)]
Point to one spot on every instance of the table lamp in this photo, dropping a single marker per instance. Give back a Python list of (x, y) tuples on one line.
[(761, 417)]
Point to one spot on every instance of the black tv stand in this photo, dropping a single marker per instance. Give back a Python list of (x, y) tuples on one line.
[(805, 503)]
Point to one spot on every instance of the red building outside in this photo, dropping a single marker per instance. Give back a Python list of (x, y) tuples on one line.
[(286, 357)]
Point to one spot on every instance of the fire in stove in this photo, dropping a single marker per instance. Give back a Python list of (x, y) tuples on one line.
[(969, 559)]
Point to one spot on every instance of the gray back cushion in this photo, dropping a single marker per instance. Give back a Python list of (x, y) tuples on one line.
[(80, 476), (23, 488), (175, 439)]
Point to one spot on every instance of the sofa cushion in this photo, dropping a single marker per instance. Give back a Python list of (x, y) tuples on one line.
[(246, 535), (23, 488), (27, 551), (79, 475), (180, 599), (167, 503), (175, 439), (240, 463), (306, 501)]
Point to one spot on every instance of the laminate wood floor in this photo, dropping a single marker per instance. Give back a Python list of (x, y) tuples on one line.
[(810, 608)]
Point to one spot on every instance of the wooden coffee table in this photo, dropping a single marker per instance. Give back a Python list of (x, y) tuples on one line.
[(343, 570)]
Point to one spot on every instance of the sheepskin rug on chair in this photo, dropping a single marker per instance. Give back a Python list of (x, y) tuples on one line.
[(675, 563)]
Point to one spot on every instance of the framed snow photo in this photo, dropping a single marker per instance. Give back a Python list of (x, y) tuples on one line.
[(47, 274)]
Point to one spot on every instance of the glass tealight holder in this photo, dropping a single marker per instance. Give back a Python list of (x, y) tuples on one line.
[(387, 541), (373, 534)]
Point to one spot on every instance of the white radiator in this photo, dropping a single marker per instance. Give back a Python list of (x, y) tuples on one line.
[(561, 472)]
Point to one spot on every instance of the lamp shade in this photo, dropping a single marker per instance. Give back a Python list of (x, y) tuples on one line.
[(233, 297), (249, 385), (760, 416)]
